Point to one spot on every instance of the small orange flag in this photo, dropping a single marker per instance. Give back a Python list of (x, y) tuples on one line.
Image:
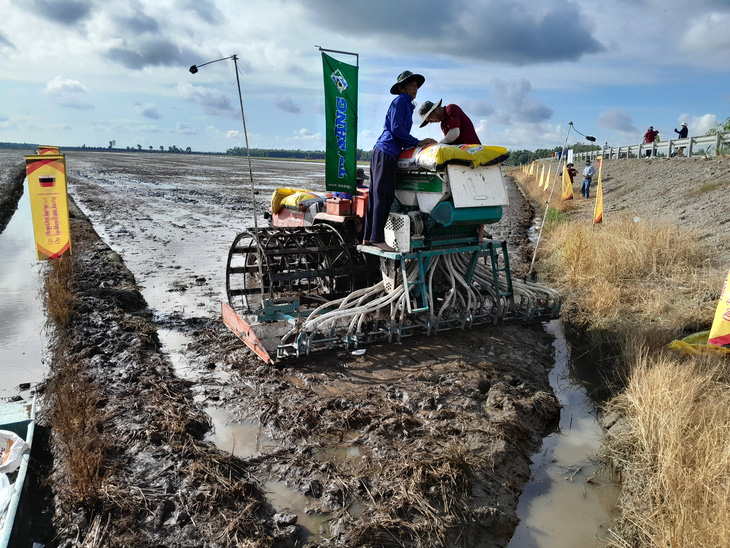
[(567, 187), (598, 208)]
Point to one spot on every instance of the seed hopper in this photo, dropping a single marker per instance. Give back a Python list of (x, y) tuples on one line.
[(305, 283)]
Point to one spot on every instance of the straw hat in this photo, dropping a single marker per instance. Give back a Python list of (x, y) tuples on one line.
[(403, 78), (426, 109)]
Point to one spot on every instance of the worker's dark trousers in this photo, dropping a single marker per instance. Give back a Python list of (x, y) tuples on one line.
[(382, 193)]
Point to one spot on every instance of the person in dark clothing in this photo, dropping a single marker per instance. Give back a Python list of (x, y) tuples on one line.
[(649, 138), (572, 172), (682, 135), (396, 137), (457, 127)]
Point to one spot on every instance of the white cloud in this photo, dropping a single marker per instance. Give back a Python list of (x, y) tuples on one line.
[(616, 119), (516, 104), (305, 135), (69, 93), (149, 110), (183, 127), (698, 125), (213, 101), (707, 36)]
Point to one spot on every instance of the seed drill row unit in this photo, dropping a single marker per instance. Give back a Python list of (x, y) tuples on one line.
[(305, 283)]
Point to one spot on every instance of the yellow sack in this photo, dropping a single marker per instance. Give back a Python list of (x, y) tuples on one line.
[(294, 201), (696, 344), (279, 195), (436, 157)]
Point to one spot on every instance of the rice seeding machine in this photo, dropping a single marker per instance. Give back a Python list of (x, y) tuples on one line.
[(305, 283)]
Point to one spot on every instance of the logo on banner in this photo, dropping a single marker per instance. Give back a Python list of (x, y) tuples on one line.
[(339, 81)]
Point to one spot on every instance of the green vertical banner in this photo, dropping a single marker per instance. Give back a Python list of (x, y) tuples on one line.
[(340, 105)]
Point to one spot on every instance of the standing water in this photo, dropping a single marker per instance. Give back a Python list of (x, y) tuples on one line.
[(21, 310), (569, 500)]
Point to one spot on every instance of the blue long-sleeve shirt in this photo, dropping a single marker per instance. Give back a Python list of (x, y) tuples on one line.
[(396, 134)]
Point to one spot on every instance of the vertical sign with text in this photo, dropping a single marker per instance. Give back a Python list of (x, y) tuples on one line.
[(49, 204), (340, 104)]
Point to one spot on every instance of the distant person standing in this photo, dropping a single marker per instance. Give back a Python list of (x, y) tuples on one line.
[(649, 137), (682, 135), (572, 172), (456, 126), (588, 174)]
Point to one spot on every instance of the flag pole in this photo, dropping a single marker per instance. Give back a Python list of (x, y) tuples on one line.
[(547, 203), (357, 55)]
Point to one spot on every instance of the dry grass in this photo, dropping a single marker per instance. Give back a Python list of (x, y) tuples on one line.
[(529, 186), (58, 298), (77, 423), (634, 286), (673, 454), (416, 502), (627, 275)]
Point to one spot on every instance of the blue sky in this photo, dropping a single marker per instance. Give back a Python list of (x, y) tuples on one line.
[(75, 72)]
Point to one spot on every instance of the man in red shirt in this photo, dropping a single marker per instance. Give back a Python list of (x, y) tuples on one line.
[(649, 137), (457, 127)]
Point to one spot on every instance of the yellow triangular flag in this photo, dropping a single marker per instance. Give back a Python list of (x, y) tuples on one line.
[(547, 178), (598, 208), (567, 187), (720, 331)]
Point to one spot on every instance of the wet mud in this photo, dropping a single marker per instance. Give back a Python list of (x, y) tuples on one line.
[(426, 442)]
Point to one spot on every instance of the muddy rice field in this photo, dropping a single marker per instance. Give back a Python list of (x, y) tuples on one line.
[(167, 431)]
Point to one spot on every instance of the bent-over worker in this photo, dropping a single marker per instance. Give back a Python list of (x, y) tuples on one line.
[(457, 127)]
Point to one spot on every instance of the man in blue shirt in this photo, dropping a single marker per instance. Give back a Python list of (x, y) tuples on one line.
[(396, 137), (588, 173)]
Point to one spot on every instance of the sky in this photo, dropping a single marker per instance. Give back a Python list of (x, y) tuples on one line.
[(88, 72)]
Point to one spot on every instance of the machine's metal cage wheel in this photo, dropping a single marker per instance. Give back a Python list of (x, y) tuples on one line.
[(311, 263)]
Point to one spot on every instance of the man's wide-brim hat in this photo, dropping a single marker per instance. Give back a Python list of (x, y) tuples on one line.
[(403, 78), (360, 174), (426, 109), (588, 162), (684, 124)]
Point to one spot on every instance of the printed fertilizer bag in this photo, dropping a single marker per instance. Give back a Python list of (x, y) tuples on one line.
[(11, 451)]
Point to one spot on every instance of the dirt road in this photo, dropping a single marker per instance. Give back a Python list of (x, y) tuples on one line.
[(422, 443)]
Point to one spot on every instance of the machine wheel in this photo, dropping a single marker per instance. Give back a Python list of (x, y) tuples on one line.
[(313, 264)]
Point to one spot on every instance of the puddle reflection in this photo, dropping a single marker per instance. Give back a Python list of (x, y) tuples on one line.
[(569, 500), (21, 310), (284, 499), (242, 439)]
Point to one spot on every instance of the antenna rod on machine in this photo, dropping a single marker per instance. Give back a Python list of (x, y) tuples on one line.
[(253, 190), (194, 70)]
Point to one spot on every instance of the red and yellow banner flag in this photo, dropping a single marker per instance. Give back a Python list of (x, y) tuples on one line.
[(49, 204), (598, 208), (567, 187), (48, 149), (541, 180), (720, 331), (532, 168)]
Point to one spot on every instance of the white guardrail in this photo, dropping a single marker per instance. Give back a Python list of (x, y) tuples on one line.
[(702, 145)]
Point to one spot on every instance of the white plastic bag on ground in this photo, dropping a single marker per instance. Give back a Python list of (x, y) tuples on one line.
[(11, 451)]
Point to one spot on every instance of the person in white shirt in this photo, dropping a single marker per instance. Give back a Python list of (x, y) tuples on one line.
[(588, 173)]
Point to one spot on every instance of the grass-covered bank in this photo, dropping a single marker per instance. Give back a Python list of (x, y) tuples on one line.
[(631, 285)]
